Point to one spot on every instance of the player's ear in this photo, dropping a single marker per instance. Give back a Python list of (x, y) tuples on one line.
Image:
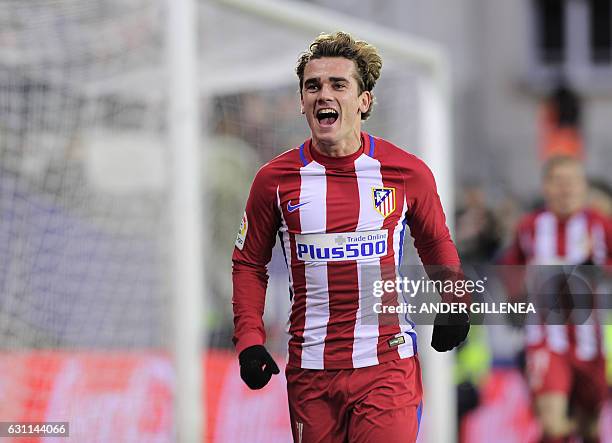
[(365, 101), (302, 104)]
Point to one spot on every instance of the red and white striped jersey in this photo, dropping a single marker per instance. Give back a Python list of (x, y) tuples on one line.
[(334, 216), (542, 238)]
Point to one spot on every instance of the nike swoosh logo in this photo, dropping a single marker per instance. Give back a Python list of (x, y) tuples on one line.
[(292, 208)]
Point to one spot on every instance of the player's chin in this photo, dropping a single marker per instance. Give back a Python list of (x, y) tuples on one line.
[(327, 132), (326, 137)]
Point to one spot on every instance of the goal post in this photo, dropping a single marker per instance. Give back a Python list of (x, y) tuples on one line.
[(188, 222), (434, 136), (101, 225)]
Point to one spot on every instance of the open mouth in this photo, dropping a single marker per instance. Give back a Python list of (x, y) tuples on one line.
[(327, 116)]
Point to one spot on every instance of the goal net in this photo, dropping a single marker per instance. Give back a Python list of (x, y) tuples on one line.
[(84, 261)]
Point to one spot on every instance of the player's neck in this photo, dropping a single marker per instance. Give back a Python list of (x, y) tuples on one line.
[(564, 214), (344, 147)]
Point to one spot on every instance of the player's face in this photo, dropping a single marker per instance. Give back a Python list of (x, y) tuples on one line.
[(331, 100), (565, 188)]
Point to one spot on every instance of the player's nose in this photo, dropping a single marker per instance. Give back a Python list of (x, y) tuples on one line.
[(325, 93)]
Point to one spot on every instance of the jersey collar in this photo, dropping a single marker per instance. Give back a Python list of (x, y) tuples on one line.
[(308, 153)]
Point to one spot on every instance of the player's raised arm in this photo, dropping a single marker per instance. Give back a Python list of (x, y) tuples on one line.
[(252, 253)]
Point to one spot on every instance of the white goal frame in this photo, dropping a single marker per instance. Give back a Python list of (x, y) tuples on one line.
[(188, 222)]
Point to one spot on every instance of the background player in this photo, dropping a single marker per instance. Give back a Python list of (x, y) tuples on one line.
[(339, 204), (565, 363)]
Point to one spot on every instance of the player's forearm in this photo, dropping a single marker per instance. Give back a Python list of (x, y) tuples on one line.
[(438, 252), (452, 281), (248, 301), (441, 262)]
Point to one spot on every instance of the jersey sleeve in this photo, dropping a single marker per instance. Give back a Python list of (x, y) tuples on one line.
[(511, 271), (432, 238), (608, 242), (426, 219), (252, 253)]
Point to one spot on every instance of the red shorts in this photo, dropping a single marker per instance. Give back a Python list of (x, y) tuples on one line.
[(379, 403), (584, 382)]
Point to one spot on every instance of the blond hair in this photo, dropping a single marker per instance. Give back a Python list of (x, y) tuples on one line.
[(340, 44)]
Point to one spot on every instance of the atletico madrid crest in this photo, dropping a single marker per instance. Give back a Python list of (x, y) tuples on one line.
[(384, 200)]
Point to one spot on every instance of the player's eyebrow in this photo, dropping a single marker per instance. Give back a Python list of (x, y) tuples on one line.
[(317, 80), (338, 79)]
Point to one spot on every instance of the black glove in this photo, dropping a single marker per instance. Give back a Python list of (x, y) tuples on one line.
[(256, 366), (449, 331)]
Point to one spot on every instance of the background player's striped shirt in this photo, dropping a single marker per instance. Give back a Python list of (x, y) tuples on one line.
[(542, 238), (341, 223)]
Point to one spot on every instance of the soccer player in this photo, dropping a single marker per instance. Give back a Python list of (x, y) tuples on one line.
[(339, 204), (565, 363)]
